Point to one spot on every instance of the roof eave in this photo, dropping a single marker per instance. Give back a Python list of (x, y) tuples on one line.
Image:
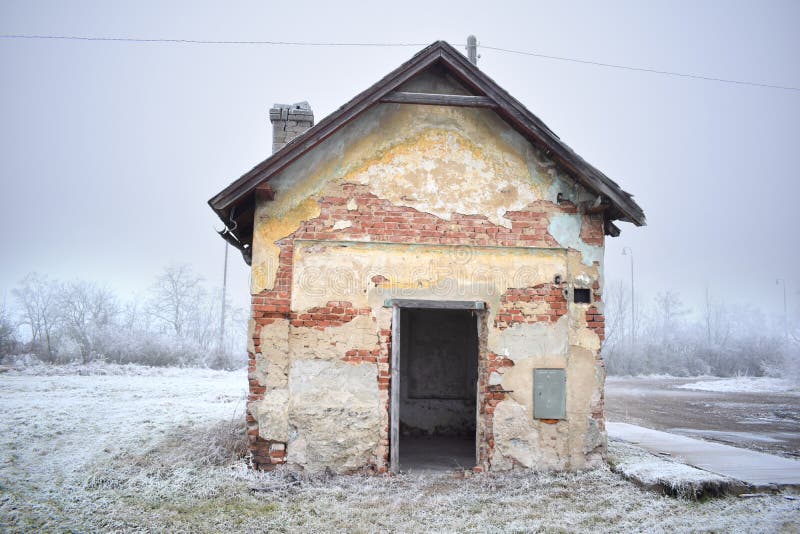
[(509, 108)]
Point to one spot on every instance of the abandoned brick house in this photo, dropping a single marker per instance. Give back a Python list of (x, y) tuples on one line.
[(426, 281)]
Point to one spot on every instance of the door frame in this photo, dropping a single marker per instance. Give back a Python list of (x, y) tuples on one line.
[(397, 306)]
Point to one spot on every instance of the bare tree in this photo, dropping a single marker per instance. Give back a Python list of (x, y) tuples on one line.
[(86, 312), (616, 313), (669, 310), (8, 338), (178, 324), (204, 325), (718, 322), (37, 296), (175, 297)]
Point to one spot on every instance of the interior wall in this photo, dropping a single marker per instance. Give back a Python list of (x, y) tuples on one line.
[(439, 367)]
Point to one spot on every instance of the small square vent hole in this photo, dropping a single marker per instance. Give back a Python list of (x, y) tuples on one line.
[(582, 295)]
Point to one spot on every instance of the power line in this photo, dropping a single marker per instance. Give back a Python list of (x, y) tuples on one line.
[(374, 44), (644, 69), (196, 41)]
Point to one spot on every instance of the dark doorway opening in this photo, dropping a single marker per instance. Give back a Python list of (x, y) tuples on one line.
[(438, 389)]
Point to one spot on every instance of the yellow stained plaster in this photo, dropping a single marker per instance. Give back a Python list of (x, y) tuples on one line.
[(443, 161), (270, 227), (330, 270), (441, 172)]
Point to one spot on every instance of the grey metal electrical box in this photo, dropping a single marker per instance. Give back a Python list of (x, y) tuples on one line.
[(549, 394)]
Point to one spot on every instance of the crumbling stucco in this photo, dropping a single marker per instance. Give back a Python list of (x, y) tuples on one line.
[(332, 343), (272, 362), (251, 330), (522, 341), (341, 225), (272, 415), (344, 270), (516, 441), (446, 161), (411, 173), (566, 229), (334, 415), (330, 407), (274, 221)]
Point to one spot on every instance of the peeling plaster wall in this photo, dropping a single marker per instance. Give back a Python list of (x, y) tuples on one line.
[(333, 415), (344, 270), (409, 158), (422, 202)]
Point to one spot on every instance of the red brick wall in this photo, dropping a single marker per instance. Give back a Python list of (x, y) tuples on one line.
[(267, 307), (379, 220), (511, 312), (334, 313)]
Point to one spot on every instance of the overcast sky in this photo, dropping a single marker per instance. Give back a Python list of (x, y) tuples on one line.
[(109, 151)]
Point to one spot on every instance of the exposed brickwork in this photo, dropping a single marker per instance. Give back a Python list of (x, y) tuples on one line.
[(596, 322), (266, 308), (592, 232), (488, 397), (264, 455), (362, 356), (515, 305), (384, 379), (376, 220), (334, 313)]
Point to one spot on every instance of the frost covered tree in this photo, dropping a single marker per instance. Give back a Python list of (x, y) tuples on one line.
[(37, 298), (723, 339), (87, 311), (8, 331), (175, 296), (617, 313), (670, 311), (178, 323)]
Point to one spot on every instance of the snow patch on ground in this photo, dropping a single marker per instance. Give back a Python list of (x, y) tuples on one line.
[(745, 384)]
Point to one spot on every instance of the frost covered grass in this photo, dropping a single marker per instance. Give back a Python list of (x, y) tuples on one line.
[(161, 453), (31, 366), (745, 384)]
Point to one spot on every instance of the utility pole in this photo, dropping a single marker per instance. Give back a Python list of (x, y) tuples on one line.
[(222, 314), (708, 317), (627, 251), (785, 312), (472, 49)]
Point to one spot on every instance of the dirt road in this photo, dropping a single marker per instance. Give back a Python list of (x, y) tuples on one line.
[(768, 422)]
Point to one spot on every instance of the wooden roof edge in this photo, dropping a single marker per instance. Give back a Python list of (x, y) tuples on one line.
[(586, 173), (511, 109)]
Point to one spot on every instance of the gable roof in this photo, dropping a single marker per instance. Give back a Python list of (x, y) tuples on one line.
[(235, 203)]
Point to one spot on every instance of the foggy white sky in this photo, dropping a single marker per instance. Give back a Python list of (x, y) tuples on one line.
[(109, 151)]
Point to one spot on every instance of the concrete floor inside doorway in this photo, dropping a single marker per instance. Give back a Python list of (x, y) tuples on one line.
[(437, 390), (435, 454)]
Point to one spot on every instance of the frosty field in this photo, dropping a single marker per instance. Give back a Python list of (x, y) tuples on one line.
[(140, 450)]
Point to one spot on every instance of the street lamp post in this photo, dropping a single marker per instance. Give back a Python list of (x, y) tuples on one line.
[(785, 312), (627, 251)]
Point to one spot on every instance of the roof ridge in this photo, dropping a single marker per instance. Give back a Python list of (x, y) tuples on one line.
[(508, 107)]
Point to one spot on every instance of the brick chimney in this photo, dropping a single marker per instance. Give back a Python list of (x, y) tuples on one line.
[(289, 121)]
